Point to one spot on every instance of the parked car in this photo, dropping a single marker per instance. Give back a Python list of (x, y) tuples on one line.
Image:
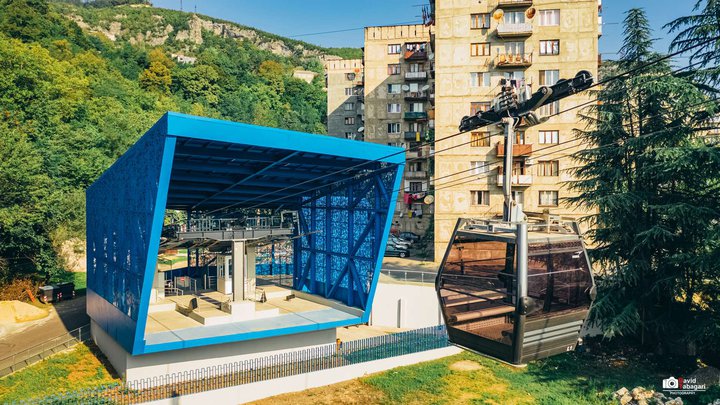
[(392, 250), (399, 242), (411, 236)]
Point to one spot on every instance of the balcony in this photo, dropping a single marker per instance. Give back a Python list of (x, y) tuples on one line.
[(416, 96), (415, 75), (514, 30), (519, 150), (417, 175), (517, 179), (415, 116), (513, 61), (514, 3), (416, 55), (414, 136)]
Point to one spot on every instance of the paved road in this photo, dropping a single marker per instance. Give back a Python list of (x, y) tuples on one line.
[(64, 317)]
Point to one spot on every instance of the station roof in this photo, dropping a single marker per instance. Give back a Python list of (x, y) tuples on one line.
[(219, 163)]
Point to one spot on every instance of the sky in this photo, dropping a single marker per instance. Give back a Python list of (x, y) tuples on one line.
[(297, 19)]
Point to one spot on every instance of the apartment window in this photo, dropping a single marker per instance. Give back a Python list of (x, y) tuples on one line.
[(416, 127), (514, 17), (415, 46), (349, 120), (549, 137), (349, 106), (479, 106), (550, 109), (393, 128), (478, 79), (519, 138), (480, 197), (349, 91), (549, 18), (349, 135), (515, 48), (393, 108), (415, 167), (549, 77), (416, 107), (350, 76), (550, 47), (480, 21), (516, 75), (479, 167), (394, 69), (479, 139), (393, 89), (548, 168), (519, 197), (416, 67), (394, 49), (480, 49), (548, 198), (416, 186)]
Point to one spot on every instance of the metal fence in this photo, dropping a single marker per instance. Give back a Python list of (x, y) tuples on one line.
[(410, 276), (260, 369), (31, 355)]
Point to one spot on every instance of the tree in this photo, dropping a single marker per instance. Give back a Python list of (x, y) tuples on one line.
[(199, 83), (156, 77), (23, 19), (701, 30), (652, 181)]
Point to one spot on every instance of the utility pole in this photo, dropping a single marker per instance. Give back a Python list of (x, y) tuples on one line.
[(508, 207)]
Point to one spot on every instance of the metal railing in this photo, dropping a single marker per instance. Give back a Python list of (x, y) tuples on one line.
[(259, 369), (31, 355), (410, 276)]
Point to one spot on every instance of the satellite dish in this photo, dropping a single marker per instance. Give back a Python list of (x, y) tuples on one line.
[(405, 87), (530, 13), (425, 87), (429, 199), (361, 129), (498, 15)]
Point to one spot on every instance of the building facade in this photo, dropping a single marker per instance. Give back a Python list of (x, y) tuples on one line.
[(476, 45), (399, 94), (345, 104)]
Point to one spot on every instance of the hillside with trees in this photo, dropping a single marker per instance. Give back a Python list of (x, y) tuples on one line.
[(81, 83)]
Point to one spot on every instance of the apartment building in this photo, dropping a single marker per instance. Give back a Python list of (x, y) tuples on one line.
[(399, 94), (476, 45), (345, 104)]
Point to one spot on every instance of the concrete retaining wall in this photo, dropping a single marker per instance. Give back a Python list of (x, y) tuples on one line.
[(263, 389), (406, 306)]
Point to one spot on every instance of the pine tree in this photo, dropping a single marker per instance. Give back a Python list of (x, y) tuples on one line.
[(652, 181), (701, 28)]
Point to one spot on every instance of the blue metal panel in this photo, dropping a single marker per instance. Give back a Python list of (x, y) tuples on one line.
[(120, 209), (246, 134), (346, 237)]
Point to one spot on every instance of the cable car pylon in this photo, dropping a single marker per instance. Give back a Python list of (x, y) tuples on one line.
[(520, 288)]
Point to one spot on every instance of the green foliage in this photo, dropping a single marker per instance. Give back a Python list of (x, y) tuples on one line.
[(346, 53), (652, 181), (702, 30), (72, 102)]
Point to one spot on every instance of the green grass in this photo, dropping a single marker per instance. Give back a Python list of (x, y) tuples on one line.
[(79, 368), (571, 379), (80, 280)]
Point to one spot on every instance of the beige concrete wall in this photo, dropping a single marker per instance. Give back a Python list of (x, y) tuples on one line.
[(406, 306), (336, 71), (578, 35), (377, 58)]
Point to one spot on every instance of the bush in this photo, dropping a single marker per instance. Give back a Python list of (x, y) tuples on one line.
[(17, 290)]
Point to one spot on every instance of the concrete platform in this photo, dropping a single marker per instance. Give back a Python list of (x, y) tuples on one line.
[(167, 321)]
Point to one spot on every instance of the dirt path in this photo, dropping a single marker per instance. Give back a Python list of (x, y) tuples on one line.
[(64, 317)]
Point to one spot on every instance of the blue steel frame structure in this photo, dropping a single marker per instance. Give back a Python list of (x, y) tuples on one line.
[(343, 191)]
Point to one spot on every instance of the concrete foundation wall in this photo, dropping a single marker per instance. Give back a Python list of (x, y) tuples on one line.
[(159, 364), (405, 306), (254, 391)]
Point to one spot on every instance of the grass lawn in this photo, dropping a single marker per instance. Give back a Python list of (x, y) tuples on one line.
[(80, 280), (74, 369), (468, 378)]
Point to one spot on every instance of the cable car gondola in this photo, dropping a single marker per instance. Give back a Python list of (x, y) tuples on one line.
[(515, 291)]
